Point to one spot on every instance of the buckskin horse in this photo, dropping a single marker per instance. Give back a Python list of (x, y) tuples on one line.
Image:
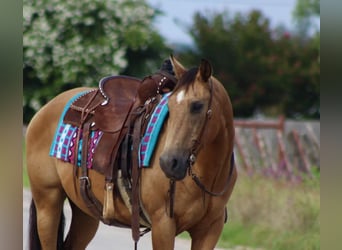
[(185, 188)]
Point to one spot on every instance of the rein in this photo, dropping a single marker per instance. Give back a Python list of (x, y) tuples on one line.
[(204, 189)]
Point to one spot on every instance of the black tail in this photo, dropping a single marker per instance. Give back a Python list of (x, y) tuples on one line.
[(34, 242), (60, 236)]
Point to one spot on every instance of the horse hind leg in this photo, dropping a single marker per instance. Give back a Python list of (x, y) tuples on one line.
[(46, 227), (34, 242), (82, 229)]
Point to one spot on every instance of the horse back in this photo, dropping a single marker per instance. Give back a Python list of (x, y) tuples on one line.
[(41, 129), (48, 116)]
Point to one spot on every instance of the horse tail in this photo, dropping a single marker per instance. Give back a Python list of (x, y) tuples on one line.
[(34, 242), (60, 235)]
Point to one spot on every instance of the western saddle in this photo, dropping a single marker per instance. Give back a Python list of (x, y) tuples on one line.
[(120, 108)]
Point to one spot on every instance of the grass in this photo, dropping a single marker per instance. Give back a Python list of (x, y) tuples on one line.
[(26, 182), (273, 214)]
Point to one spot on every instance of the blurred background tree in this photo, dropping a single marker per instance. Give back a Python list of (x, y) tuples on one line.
[(75, 43), (266, 71), (305, 14)]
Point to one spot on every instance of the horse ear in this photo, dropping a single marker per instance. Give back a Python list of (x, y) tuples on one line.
[(205, 70), (178, 68)]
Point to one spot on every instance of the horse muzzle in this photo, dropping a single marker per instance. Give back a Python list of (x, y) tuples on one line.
[(175, 163)]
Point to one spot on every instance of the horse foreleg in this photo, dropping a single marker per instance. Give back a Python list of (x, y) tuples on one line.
[(82, 229), (163, 231), (206, 235)]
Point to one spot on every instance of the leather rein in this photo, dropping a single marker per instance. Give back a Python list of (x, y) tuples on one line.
[(197, 143)]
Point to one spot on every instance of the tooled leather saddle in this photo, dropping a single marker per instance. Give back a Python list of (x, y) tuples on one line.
[(120, 108)]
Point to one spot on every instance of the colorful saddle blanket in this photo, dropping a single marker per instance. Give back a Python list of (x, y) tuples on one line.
[(151, 135), (64, 143)]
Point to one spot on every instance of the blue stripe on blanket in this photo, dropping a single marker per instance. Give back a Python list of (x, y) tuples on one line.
[(154, 126), (63, 131)]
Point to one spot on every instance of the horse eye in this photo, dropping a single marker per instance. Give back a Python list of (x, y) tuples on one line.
[(196, 107)]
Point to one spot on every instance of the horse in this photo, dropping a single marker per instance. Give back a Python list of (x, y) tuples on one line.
[(193, 155)]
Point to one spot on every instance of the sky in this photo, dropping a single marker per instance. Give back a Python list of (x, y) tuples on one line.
[(181, 11)]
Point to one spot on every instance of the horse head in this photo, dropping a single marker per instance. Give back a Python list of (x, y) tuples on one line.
[(189, 111)]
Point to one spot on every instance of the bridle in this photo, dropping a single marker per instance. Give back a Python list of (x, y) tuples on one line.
[(196, 146)]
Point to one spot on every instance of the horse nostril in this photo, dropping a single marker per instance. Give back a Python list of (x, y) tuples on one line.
[(174, 163), (169, 162)]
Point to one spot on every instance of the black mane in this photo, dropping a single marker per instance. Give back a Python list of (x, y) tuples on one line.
[(187, 79)]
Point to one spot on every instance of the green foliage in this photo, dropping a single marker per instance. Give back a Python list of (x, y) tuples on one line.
[(75, 43), (264, 70), (26, 182), (306, 15), (272, 214), (307, 8)]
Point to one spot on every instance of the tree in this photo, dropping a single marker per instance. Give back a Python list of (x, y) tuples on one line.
[(75, 43), (264, 70), (306, 9), (239, 48), (306, 15)]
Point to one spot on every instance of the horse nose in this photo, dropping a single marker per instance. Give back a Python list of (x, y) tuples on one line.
[(174, 164)]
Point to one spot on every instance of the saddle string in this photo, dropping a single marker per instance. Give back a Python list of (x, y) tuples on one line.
[(84, 116), (138, 122), (85, 186)]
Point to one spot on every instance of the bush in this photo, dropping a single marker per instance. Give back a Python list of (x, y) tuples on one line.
[(68, 44)]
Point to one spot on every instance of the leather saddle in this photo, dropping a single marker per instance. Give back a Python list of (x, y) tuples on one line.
[(119, 108), (110, 107), (106, 109)]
